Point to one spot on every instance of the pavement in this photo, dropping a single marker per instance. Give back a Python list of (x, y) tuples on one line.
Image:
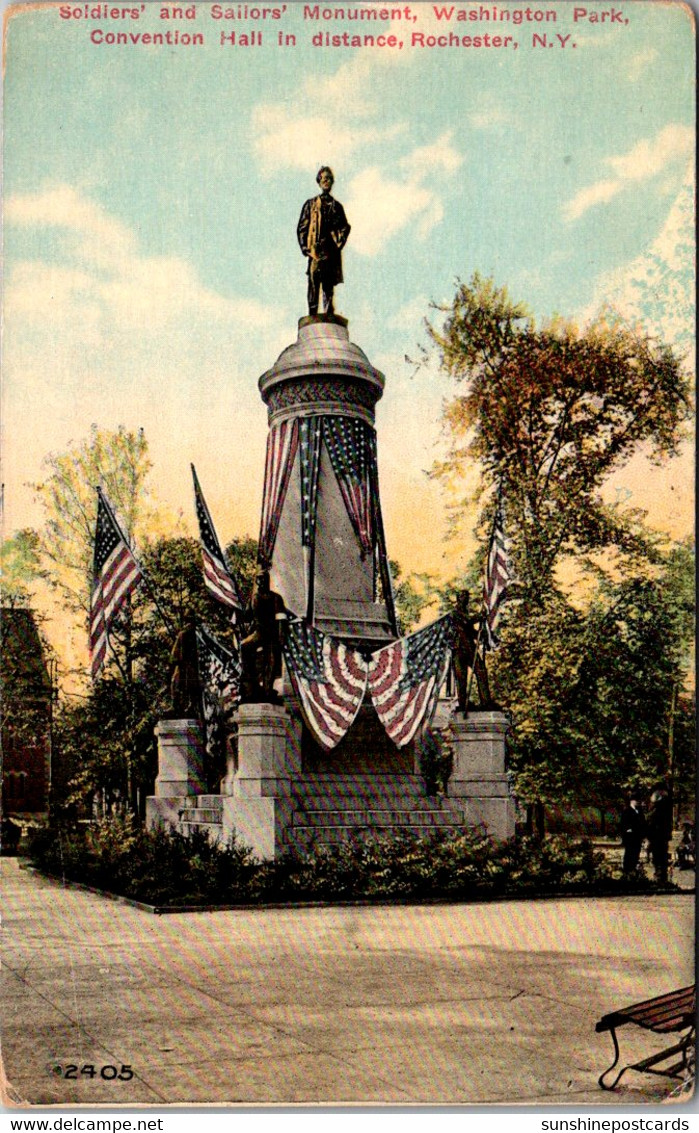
[(444, 1004)]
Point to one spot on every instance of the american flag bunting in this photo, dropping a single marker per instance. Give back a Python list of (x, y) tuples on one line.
[(351, 453), (329, 679), (405, 679), (282, 444)]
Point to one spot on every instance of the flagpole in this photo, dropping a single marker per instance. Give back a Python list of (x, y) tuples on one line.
[(484, 614)]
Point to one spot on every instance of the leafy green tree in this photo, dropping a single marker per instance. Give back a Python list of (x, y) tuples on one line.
[(21, 567), (242, 559), (106, 741), (549, 413), (413, 594), (116, 461)]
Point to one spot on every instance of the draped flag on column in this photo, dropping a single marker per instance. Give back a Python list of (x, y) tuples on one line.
[(329, 679), (405, 679), (219, 676), (497, 579), (217, 575), (349, 444), (310, 439), (115, 574), (282, 443)]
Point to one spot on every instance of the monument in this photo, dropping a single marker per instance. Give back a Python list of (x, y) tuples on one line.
[(334, 701)]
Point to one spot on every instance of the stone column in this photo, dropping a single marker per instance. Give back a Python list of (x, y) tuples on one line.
[(180, 771), (260, 808), (478, 780), (180, 759)]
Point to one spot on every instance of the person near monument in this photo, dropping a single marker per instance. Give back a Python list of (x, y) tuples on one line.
[(261, 650), (660, 831), (185, 687), (633, 830), (322, 234), (467, 656)]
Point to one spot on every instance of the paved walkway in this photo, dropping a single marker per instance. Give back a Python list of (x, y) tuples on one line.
[(450, 1004)]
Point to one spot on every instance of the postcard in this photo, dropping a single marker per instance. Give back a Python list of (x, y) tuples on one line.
[(348, 750)]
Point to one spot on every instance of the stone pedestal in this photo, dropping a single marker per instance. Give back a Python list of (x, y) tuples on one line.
[(478, 779), (260, 809), (180, 759)]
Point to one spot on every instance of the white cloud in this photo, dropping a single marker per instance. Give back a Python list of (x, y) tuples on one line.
[(657, 287), (296, 141), (645, 160), (651, 155), (440, 156), (597, 194), (639, 63), (325, 119), (380, 207), (98, 331)]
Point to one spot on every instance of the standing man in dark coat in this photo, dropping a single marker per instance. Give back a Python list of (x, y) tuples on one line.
[(660, 831), (322, 234), (633, 831)]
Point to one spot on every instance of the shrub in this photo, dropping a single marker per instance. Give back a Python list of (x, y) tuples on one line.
[(164, 867)]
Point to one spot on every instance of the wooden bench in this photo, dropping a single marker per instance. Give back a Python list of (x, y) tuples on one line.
[(664, 1015)]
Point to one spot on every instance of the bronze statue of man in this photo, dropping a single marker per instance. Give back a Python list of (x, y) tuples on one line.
[(261, 650), (322, 234), (185, 686), (467, 656)]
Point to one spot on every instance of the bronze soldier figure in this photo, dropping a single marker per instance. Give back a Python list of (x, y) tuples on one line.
[(322, 234), (185, 687), (468, 657), (261, 650)]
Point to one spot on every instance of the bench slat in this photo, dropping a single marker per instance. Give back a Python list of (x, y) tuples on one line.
[(664, 1013)]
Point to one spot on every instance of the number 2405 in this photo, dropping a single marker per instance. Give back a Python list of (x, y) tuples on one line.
[(109, 1073)]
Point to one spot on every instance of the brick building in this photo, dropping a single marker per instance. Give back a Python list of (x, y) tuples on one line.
[(25, 680)]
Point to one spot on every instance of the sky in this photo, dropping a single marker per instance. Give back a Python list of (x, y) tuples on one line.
[(151, 196)]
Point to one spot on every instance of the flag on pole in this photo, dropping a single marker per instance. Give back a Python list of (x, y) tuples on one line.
[(217, 576), (329, 679), (497, 579), (219, 674), (115, 574), (405, 679)]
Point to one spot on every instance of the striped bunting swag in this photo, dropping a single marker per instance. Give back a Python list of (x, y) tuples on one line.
[(405, 679), (329, 679), (115, 575)]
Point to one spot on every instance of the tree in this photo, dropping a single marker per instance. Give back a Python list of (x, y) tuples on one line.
[(21, 567), (106, 741), (116, 461), (596, 693), (549, 413), (242, 559)]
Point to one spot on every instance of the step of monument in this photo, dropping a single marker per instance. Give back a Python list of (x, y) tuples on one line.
[(207, 802), (376, 818), (197, 816), (359, 792), (214, 829)]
